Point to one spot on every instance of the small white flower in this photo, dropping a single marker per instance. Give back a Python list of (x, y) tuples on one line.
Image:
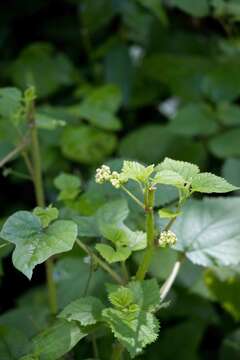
[(115, 179), (103, 174), (167, 238)]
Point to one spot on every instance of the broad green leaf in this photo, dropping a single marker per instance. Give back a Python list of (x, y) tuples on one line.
[(230, 348), (226, 292), (13, 343), (210, 183), (194, 119), (155, 138), (10, 101), (184, 169), (134, 330), (199, 8), (111, 255), (121, 235), (100, 106), (229, 114), (87, 145), (68, 271), (131, 320), (86, 311), (226, 144), (209, 231), (169, 177), (58, 339), (95, 16), (113, 212), (135, 171), (68, 185), (38, 65), (46, 215), (34, 244)]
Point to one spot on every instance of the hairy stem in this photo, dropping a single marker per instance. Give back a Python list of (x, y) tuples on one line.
[(150, 230), (171, 278), (100, 262), (40, 199)]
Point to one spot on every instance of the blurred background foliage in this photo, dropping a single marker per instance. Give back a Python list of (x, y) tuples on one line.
[(135, 79)]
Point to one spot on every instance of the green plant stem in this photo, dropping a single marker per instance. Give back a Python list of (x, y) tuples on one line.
[(125, 271), (171, 278), (150, 230), (39, 193), (117, 352), (100, 262), (133, 197)]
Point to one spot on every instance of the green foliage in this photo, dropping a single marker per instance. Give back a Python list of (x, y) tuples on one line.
[(131, 319), (152, 82), (208, 231), (100, 106), (34, 243), (86, 311), (87, 145), (68, 185), (58, 339), (46, 215)]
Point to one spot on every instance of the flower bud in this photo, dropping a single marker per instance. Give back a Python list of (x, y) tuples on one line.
[(167, 238)]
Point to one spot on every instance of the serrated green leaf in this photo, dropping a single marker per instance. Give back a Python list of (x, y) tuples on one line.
[(86, 311), (86, 144), (169, 177), (146, 294), (186, 170), (210, 183), (58, 339), (133, 330), (111, 255), (121, 298), (46, 215), (135, 171), (34, 244), (100, 106), (208, 231), (69, 186)]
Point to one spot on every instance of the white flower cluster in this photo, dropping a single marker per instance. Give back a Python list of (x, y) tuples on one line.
[(167, 238), (104, 174)]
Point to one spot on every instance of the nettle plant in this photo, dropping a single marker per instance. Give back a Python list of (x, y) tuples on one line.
[(204, 231)]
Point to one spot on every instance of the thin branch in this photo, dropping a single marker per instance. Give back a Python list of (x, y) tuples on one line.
[(18, 149), (171, 278), (133, 197), (100, 262)]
